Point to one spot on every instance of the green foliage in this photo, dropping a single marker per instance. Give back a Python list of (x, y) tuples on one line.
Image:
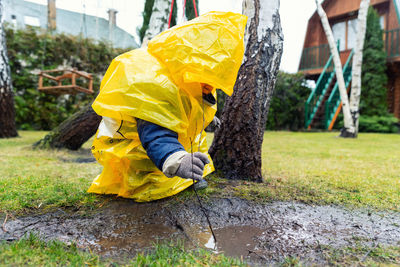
[(378, 124), (148, 9), (189, 9), (287, 105), (30, 51), (374, 78), (373, 124), (174, 14)]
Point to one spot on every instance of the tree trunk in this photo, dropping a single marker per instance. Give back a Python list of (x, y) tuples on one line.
[(73, 132), (7, 110), (348, 130), (357, 63), (158, 20), (181, 16), (236, 149)]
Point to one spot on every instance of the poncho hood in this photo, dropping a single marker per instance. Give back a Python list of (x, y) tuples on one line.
[(208, 49)]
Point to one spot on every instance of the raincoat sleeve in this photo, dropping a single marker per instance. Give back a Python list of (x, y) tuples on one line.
[(159, 142)]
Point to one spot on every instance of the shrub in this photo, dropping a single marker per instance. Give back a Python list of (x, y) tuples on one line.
[(374, 124), (31, 50), (378, 124), (287, 105)]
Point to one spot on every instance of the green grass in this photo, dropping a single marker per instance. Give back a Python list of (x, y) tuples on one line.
[(37, 179), (309, 167), (176, 255), (356, 255), (323, 169), (362, 256), (32, 251)]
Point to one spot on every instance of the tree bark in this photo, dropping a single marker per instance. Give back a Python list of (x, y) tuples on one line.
[(236, 148), (7, 110), (357, 64), (158, 20), (73, 132), (348, 130)]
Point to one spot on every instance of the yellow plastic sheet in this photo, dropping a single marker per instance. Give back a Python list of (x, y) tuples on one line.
[(161, 84)]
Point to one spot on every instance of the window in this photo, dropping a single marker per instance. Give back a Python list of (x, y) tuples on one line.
[(346, 33), (32, 21), (382, 22), (339, 33), (351, 33)]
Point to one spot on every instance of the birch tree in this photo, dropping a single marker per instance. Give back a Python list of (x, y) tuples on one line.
[(357, 63), (7, 110), (236, 148), (158, 20), (348, 129)]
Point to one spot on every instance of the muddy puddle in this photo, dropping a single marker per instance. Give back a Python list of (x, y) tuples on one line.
[(258, 233)]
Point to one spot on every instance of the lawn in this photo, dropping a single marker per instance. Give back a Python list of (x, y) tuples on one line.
[(324, 169), (32, 251), (314, 168), (39, 179)]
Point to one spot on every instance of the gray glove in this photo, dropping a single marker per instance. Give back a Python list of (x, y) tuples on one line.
[(192, 166), (217, 122)]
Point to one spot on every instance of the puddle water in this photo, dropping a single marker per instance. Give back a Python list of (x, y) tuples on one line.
[(255, 232)]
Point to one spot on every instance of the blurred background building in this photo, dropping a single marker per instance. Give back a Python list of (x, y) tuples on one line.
[(20, 13)]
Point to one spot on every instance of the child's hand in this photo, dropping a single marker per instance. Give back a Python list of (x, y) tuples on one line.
[(192, 166)]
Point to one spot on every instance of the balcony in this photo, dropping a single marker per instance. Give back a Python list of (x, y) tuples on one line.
[(313, 59), (392, 43)]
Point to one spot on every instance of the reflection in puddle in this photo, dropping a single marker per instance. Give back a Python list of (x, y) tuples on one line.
[(211, 243), (237, 241)]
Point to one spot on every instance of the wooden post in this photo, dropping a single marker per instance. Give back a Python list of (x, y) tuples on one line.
[(73, 77), (51, 15), (40, 81), (90, 84)]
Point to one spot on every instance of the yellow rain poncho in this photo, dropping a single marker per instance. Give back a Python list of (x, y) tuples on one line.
[(161, 84)]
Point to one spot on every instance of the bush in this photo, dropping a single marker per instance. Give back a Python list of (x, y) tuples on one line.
[(287, 105), (378, 124), (373, 124), (29, 51)]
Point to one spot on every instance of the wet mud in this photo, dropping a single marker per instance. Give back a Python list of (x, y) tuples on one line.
[(260, 233)]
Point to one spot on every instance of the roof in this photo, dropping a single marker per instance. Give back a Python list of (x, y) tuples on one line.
[(24, 13)]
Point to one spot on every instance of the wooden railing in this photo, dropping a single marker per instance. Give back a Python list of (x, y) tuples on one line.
[(316, 57), (392, 43)]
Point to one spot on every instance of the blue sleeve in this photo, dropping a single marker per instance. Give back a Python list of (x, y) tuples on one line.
[(159, 142)]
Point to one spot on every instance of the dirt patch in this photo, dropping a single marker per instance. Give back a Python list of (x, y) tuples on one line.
[(259, 233)]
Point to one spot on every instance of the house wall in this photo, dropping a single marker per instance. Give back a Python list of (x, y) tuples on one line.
[(335, 9), (394, 89), (346, 9), (393, 20), (16, 12), (339, 10)]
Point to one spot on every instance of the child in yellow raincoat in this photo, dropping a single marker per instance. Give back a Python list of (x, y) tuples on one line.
[(156, 102)]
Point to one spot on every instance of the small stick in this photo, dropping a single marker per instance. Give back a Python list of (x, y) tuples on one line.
[(195, 191)]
